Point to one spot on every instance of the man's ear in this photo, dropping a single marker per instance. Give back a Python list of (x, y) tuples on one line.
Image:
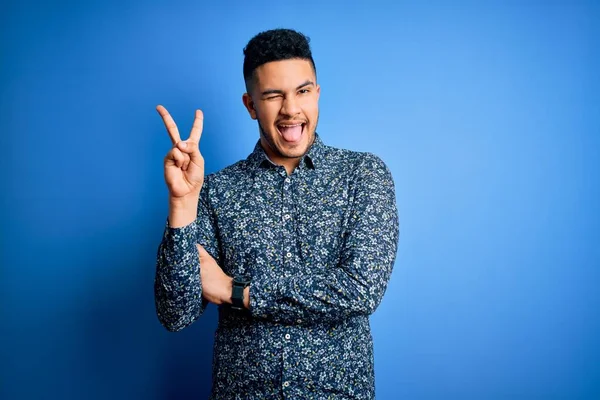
[(249, 104)]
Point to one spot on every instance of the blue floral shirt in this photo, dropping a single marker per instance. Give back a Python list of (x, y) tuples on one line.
[(319, 245)]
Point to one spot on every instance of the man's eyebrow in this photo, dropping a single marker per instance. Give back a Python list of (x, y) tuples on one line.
[(307, 83), (272, 91), (278, 91)]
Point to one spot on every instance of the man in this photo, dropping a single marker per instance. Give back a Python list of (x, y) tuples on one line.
[(296, 243)]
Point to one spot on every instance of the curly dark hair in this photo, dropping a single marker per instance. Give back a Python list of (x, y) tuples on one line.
[(275, 45)]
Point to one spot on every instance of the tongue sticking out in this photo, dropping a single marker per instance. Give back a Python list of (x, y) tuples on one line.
[(291, 134)]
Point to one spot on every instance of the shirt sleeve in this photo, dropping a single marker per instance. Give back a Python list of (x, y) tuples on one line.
[(357, 284), (177, 285)]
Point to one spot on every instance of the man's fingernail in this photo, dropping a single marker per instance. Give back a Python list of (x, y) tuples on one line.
[(183, 144)]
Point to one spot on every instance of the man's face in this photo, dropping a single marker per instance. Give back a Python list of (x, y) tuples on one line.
[(285, 101)]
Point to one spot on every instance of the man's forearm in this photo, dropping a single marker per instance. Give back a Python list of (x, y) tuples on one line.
[(335, 295)]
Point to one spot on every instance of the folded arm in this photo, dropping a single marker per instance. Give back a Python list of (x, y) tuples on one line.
[(357, 284), (178, 283)]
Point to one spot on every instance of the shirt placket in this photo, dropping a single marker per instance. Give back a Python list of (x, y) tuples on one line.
[(288, 267)]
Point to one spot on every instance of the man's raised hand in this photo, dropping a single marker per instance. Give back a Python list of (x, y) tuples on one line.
[(184, 165)]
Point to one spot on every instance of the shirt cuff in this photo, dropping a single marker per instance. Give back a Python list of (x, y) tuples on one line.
[(180, 240), (263, 296)]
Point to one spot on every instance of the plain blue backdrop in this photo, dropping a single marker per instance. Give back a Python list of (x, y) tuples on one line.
[(488, 115)]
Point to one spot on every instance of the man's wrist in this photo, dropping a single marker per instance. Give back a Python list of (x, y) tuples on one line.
[(183, 211), (227, 290)]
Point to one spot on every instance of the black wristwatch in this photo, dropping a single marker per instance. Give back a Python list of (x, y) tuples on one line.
[(237, 292)]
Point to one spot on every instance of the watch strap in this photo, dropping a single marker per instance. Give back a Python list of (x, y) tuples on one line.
[(237, 292)]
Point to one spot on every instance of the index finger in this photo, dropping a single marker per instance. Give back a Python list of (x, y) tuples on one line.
[(196, 132), (169, 124)]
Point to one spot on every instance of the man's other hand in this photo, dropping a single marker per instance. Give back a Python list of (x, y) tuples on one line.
[(216, 285)]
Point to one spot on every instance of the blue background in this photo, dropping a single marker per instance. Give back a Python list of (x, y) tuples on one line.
[(488, 115)]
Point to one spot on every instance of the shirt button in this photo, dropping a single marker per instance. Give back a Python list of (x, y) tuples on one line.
[(288, 255), (287, 336), (299, 321), (286, 384), (286, 216)]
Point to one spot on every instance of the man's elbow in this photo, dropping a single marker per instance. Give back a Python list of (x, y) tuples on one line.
[(368, 306), (175, 324), (175, 317), (369, 302)]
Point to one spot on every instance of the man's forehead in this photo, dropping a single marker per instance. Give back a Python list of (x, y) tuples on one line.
[(284, 74)]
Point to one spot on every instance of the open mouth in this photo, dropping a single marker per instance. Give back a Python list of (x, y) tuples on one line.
[(291, 131)]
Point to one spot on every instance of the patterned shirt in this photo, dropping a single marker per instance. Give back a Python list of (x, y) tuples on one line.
[(319, 246)]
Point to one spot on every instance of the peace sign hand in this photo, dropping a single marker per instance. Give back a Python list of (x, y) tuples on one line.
[(184, 165)]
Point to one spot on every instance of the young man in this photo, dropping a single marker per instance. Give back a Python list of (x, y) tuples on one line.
[(296, 243)]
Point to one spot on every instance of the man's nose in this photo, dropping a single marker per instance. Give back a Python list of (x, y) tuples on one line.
[(290, 107)]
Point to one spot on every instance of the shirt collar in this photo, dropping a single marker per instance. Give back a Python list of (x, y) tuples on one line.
[(313, 157)]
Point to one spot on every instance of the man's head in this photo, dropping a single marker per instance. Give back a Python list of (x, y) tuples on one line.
[(282, 92)]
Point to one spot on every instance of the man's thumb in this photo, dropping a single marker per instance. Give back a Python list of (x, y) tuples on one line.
[(190, 148)]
